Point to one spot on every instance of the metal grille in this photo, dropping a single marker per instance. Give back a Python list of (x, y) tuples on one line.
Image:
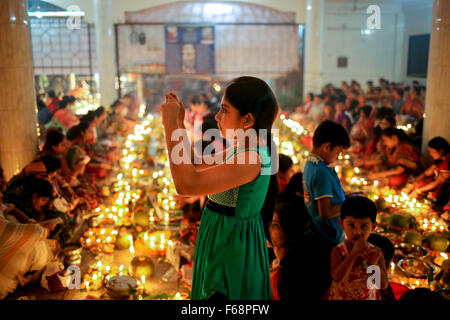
[(59, 50)]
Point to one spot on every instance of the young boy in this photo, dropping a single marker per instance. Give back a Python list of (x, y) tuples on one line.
[(323, 196), (351, 259)]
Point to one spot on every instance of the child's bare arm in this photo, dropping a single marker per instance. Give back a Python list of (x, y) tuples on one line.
[(384, 278), (341, 267), (326, 209)]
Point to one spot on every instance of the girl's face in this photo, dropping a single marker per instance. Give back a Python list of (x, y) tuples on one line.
[(288, 174), (89, 134), (384, 124), (229, 119), (357, 228), (38, 203), (276, 232), (61, 147), (390, 142), (435, 154)]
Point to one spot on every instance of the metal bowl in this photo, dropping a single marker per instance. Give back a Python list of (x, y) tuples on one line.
[(415, 268), (412, 251), (119, 286)]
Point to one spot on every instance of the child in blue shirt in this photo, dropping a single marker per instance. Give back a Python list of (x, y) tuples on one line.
[(323, 196)]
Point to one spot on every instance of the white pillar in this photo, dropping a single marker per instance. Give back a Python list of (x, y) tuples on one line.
[(106, 50), (313, 46), (399, 35), (18, 134), (437, 101)]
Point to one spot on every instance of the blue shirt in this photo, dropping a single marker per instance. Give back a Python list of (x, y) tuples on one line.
[(321, 181), (44, 115)]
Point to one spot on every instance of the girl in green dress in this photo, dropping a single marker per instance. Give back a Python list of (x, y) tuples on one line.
[(231, 258)]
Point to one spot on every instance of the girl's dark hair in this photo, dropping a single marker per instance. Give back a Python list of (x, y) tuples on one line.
[(285, 162), (354, 104), (391, 120), (69, 99), (40, 186), (367, 110), (439, 143), (294, 189), (386, 246), (311, 95), (51, 93), (77, 131), (88, 117), (197, 99), (384, 112), (254, 96), (40, 104), (99, 111), (63, 104), (2, 179), (51, 163), (330, 131), (400, 134), (53, 138), (417, 90), (421, 295), (116, 103), (359, 207), (292, 222)]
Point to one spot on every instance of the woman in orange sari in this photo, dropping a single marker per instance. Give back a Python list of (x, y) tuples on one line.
[(401, 157)]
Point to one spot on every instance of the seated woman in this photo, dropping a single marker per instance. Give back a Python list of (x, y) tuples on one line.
[(289, 275), (57, 145), (341, 117), (401, 158), (24, 252), (64, 114), (302, 111), (32, 200), (362, 132), (98, 167), (77, 160), (285, 171), (437, 176), (375, 144), (44, 167), (118, 124)]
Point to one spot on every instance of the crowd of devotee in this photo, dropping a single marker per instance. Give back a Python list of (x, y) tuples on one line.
[(320, 241)]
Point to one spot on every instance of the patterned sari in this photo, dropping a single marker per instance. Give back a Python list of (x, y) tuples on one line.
[(23, 250), (404, 155)]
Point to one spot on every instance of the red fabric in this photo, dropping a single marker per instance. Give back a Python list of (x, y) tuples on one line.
[(398, 289), (53, 105), (398, 181), (307, 141), (274, 277), (66, 118), (282, 183)]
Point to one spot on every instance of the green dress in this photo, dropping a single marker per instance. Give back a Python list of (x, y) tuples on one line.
[(231, 254)]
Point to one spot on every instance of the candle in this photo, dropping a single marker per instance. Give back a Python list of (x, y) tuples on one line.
[(130, 238)]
